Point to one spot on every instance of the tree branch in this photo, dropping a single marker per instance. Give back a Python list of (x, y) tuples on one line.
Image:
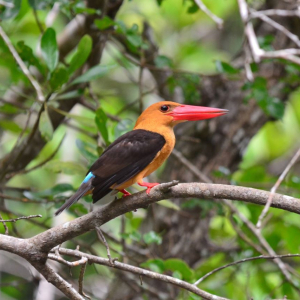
[(142, 272), (47, 240)]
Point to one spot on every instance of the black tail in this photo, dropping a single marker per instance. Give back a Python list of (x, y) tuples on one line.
[(83, 189)]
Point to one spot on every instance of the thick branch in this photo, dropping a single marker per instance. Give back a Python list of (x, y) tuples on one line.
[(57, 235)]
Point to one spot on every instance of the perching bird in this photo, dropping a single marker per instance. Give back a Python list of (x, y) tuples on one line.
[(138, 153)]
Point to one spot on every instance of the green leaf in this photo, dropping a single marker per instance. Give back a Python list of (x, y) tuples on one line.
[(122, 127), (70, 95), (51, 193), (28, 57), (66, 167), (175, 264), (8, 108), (49, 48), (159, 2), (275, 107), (104, 23), (155, 265), (10, 126), (88, 150), (39, 4), (82, 120), (223, 67), (101, 120), (193, 8), (82, 53), (45, 126), (152, 238), (168, 204), (58, 77), (78, 207), (11, 12), (162, 61), (177, 275), (93, 73)]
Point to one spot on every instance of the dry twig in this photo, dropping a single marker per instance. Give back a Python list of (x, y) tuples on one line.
[(103, 240), (20, 218), (242, 261), (275, 187), (216, 19), (139, 271)]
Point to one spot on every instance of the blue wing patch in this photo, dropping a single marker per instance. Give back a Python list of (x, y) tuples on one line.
[(88, 177)]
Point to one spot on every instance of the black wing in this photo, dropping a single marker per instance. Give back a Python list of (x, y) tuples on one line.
[(123, 159)]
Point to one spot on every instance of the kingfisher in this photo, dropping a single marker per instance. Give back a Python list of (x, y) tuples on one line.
[(137, 153)]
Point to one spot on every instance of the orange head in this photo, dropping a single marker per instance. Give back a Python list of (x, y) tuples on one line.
[(167, 113)]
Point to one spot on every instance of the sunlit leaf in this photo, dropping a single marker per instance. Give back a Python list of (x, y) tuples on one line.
[(45, 126), (101, 122), (93, 73), (104, 23), (223, 67), (66, 167), (82, 53), (10, 126), (175, 264), (162, 61), (58, 78), (168, 204), (70, 95), (49, 48), (152, 238), (122, 127), (49, 193), (88, 150), (155, 265), (28, 57)]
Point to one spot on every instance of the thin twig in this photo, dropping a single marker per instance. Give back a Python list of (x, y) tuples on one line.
[(19, 199), (242, 261), (21, 218), (103, 240), (38, 21), (263, 242), (143, 272), (279, 27), (216, 19), (190, 166), (80, 281), (252, 228), (249, 31), (4, 225), (275, 187), (245, 238), (22, 65), (80, 262), (276, 12)]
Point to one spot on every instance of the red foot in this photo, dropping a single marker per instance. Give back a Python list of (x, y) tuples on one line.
[(148, 185), (125, 193)]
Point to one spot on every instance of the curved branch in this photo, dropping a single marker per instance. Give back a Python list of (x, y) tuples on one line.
[(142, 272), (47, 240)]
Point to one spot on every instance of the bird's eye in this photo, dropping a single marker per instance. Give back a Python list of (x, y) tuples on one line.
[(164, 108)]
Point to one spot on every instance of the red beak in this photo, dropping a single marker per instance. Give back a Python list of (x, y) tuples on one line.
[(195, 113)]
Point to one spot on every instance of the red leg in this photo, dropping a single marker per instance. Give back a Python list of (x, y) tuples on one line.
[(148, 185), (125, 193)]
